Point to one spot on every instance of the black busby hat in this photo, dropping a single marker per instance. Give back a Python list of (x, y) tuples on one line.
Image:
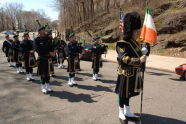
[(25, 34), (132, 21), (71, 34), (16, 35)]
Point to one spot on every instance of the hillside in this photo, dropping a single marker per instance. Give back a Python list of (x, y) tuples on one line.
[(169, 17)]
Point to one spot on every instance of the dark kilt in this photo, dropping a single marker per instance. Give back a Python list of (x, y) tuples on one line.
[(8, 52), (96, 62), (51, 66), (77, 63), (61, 55), (15, 56), (28, 63), (125, 86), (43, 66), (71, 64)]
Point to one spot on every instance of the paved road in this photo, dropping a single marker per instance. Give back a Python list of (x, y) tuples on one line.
[(21, 102)]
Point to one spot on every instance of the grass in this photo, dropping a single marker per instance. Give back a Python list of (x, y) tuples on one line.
[(173, 52), (111, 46), (158, 23)]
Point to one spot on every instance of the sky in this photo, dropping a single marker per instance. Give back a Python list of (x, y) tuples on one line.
[(46, 5)]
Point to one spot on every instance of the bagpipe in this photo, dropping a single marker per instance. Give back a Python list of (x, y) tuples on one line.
[(80, 47), (103, 48)]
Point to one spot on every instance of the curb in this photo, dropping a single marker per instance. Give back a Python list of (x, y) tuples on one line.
[(160, 69), (153, 68)]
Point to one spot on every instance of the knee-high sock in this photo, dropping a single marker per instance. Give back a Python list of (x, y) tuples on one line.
[(47, 79), (123, 102), (42, 81), (70, 75)]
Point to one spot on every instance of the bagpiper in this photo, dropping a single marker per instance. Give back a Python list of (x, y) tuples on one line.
[(61, 52), (17, 53), (97, 50), (7, 49), (53, 58), (73, 53), (43, 46), (28, 56), (130, 65), (77, 59)]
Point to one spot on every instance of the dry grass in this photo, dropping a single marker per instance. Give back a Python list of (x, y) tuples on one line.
[(173, 52)]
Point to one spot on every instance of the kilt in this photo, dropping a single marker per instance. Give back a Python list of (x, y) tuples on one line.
[(29, 60), (43, 66), (71, 64), (51, 66), (129, 86), (77, 63), (61, 55), (96, 62), (9, 53), (17, 56)]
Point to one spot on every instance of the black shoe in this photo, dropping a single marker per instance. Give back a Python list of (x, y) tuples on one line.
[(133, 119), (123, 121), (53, 75), (50, 91)]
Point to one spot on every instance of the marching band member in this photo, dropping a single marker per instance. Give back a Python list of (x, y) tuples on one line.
[(97, 50), (28, 56), (73, 53), (43, 46), (7, 49), (130, 60), (61, 53), (17, 53), (53, 59)]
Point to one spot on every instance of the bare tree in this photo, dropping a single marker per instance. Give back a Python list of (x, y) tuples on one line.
[(12, 17)]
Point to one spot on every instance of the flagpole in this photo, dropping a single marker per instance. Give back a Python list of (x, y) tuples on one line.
[(143, 77), (121, 33)]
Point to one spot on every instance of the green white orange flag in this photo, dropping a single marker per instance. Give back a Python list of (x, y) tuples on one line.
[(148, 33)]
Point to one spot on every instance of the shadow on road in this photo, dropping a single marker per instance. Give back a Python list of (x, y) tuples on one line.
[(85, 74), (54, 83), (66, 78), (157, 73), (71, 97), (61, 77), (109, 81), (96, 88), (180, 80), (154, 119)]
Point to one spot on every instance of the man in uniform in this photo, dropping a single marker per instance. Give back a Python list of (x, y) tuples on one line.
[(73, 53), (53, 59), (7, 49), (61, 53), (28, 56), (131, 61), (43, 46), (17, 53), (77, 59), (97, 50)]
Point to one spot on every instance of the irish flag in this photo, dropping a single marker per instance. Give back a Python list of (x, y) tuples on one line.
[(148, 33)]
